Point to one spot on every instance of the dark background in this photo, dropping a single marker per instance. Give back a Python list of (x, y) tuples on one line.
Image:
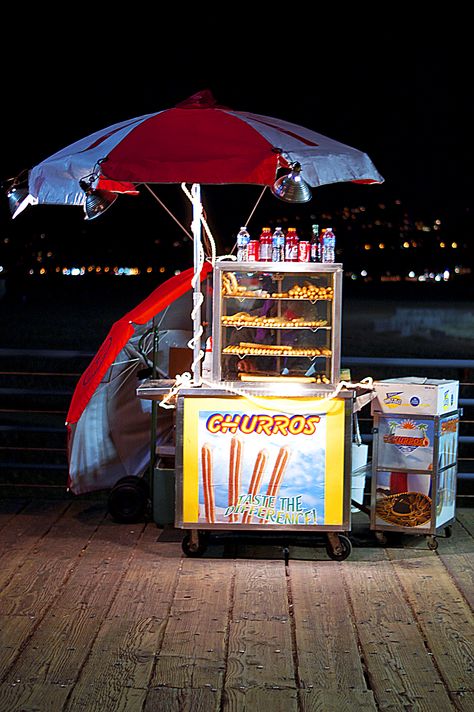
[(394, 86)]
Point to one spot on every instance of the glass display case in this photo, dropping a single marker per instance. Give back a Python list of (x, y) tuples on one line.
[(277, 321)]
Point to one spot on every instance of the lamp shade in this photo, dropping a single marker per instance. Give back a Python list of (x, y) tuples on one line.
[(16, 195), (292, 188)]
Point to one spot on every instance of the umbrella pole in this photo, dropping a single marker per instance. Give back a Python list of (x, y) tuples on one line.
[(154, 414), (197, 295)]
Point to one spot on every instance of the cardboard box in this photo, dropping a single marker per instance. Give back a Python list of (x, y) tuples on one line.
[(412, 396)]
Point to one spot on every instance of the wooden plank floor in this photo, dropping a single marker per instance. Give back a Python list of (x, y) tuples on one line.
[(96, 615)]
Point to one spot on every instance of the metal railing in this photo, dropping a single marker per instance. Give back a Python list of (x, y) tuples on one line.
[(33, 406)]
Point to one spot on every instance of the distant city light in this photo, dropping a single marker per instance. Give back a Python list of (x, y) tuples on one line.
[(1, 268), (446, 275), (442, 244), (73, 271), (42, 270), (363, 273), (126, 271), (162, 269), (411, 274), (367, 246), (177, 271), (454, 245), (406, 245), (437, 222), (149, 270), (381, 245)]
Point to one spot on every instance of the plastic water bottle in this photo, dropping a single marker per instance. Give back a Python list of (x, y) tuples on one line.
[(329, 246), (243, 239), (278, 245)]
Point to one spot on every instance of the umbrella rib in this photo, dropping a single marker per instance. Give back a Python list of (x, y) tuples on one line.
[(168, 211)]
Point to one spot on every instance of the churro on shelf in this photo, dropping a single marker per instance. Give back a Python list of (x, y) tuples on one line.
[(252, 349), (255, 482), (208, 484), (274, 322), (235, 472)]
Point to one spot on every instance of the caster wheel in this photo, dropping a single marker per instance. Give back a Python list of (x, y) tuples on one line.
[(128, 500), (448, 532), (432, 543), (345, 548), (192, 548), (381, 538)]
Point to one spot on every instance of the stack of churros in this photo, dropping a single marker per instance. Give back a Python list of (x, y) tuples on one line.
[(255, 482), (208, 484), (250, 349), (235, 473)]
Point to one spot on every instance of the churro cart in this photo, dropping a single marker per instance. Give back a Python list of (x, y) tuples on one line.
[(266, 444), (414, 463)]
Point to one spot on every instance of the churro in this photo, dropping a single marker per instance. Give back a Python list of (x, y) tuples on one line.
[(235, 470), (278, 471), (207, 483), (257, 474), (277, 474)]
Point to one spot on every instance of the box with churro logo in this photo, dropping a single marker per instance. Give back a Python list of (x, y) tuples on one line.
[(413, 395)]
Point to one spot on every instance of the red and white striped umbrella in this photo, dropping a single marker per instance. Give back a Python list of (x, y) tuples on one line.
[(195, 142)]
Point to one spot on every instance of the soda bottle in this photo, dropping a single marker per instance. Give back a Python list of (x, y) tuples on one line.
[(314, 245), (278, 245), (291, 245), (266, 245), (243, 239), (329, 246)]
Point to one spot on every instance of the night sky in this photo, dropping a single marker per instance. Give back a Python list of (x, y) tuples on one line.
[(404, 98)]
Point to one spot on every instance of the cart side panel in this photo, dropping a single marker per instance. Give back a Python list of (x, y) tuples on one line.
[(267, 462)]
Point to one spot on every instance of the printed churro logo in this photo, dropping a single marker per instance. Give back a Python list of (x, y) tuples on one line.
[(272, 510), (407, 435), (393, 399), (450, 426), (262, 424)]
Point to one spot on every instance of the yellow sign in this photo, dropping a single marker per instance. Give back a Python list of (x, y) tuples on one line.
[(266, 461)]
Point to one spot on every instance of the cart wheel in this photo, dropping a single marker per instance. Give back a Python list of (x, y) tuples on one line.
[(432, 543), (194, 549), (448, 532), (128, 500), (342, 551), (381, 538)]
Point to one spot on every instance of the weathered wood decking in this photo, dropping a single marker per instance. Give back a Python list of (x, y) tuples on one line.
[(96, 615)]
